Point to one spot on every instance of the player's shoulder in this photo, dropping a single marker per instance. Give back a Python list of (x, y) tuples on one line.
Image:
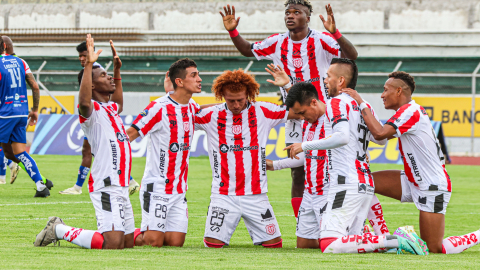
[(320, 34), (265, 104)]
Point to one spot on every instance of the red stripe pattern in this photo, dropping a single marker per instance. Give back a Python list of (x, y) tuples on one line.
[(172, 155), (222, 125), (312, 63), (254, 153)]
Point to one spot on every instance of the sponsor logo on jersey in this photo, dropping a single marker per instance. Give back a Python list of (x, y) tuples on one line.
[(17, 97), (264, 160), (236, 129), (173, 123), (224, 148), (144, 112), (270, 229), (162, 163), (215, 164), (174, 147), (160, 198), (267, 216), (186, 126), (415, 169), (221, 126), (113, 145), (297, 62), (121, 137)]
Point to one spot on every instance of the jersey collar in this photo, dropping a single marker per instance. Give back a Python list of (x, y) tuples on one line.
[(248, 106)]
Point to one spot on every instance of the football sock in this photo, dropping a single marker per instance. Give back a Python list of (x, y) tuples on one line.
[(136, 233), (80, 237), (28, 164), (375, 217), (457, 244), (3, 167), (82, 175), (296, 202), (10, 163), (353, 244), (212, 245), (23, 167), (274, 245)]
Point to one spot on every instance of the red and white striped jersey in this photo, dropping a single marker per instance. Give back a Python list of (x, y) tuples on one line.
[(421, 153), (316, 161), (236, 145), (306, 60), (110, 146), (171, 129), (348, 164)]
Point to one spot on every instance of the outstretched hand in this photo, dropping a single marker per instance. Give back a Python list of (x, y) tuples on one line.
[(279, 75), (353, 93), (92, 56), (117, 63), (229, 20), (329, 24), (295, 149)]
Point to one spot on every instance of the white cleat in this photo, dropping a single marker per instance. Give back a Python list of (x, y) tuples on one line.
[(71, 191), (133, 187), (15, 169), (2, 180)]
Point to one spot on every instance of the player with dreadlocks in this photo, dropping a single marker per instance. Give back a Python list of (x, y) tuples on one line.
[(305, 55)]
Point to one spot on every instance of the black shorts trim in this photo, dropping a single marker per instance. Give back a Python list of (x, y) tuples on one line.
[(106, 204)]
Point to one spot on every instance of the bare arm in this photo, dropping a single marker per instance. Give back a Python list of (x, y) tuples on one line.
[(132, 134), (117, 96), (230, 23), (85, 94), (33, 114)]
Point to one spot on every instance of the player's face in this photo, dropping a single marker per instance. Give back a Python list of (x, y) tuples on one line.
[(102, 81), (236, 102), (310, 112), (390, 95), (331, 81), (83, 58), (296, 16), (192, 81)]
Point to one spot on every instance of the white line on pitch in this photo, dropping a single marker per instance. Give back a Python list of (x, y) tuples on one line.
[(35, 203)]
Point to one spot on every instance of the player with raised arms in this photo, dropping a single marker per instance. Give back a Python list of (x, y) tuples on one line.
[(237, 133), (169, 120), (100, 102), (351, 182), (424, 180), (305, 55)]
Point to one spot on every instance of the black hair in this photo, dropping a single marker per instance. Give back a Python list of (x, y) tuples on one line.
[(405, 77), (82, 47), (304, 3), (1, 45), (352, 81), (80, 74), (302, 92), (178, 70)]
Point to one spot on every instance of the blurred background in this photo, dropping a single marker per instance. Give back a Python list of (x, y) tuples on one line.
[(438, 42)]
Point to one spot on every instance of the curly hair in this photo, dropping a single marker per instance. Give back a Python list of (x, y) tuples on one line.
[(405, 77), (236, 81), (305, 3)]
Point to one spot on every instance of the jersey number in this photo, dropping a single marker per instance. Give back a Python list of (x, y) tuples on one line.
[(161, 211), (15, 74), (216, 221), (363, 131)]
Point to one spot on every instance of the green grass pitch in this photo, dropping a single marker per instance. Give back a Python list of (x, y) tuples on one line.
[(23, 216)]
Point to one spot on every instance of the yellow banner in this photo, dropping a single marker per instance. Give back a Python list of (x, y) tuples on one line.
[(49, 106), (202, 100), (455, 113)]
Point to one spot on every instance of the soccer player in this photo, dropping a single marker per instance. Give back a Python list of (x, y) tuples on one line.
[(351, 182), (100, 102), (84, 168), (237, 133), (4, 162), (304, 53), (14, 115), (169, 120), (424, 180)]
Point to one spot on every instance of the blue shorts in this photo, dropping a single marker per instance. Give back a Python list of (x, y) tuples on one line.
[(13, 130)]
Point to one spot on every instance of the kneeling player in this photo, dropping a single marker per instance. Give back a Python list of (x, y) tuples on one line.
[(424, 179), (169, 121), (100, 102), (237, 132)]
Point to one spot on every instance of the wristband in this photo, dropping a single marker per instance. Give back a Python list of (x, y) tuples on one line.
[(233, 33), (288, 85), (119, 79), (337, 35), (363, 106)]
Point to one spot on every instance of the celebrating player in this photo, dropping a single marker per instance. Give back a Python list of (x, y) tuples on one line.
[(237, 133), (351, 182), (424, 179), (86, 149), (100, 102), (169, 121), (305, 55), (14, 114)]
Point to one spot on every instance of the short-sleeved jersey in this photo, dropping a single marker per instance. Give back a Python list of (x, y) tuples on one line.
[(306, 60), (237, 145), (348, 164), (316, 161), (13, 88), (421, 153), (110, 146), (171, 129)]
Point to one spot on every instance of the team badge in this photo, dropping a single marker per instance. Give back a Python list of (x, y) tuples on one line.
[(120, 137), (144, 112), (174, 147), (310, 135), (297, 62), (17, 97), (223, 148), (270, 228), (236, 129), (186, 126)]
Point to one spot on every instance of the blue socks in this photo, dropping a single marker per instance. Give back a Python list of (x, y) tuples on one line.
[(3, 167), (82, 175), (30, 166)]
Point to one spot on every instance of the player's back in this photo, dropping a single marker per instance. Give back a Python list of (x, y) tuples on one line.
[(13, 89), (171, 129), (348, 164), (421, 153)]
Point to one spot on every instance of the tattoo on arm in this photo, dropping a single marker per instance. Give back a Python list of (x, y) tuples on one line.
[(35, 90)]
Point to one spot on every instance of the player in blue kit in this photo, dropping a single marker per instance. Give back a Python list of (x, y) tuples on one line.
[(14, 116)]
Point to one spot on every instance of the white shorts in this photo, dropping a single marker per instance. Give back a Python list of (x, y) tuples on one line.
[(432, 201), (164, 212), (293, 131), (113, 209), (310, 215), (347, 209), (225, 211)]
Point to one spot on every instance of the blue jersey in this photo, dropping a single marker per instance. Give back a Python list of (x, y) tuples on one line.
[(13, 89)]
